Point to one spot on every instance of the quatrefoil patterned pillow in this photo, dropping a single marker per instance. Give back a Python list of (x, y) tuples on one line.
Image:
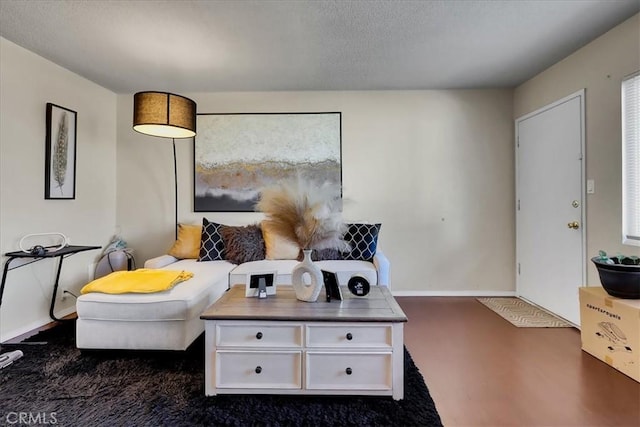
[(211, 243), (363, 239)]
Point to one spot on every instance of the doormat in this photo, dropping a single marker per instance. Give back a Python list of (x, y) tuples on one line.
[(522, 314)]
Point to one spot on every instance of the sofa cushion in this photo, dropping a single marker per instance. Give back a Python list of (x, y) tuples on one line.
[(363, 239), (323, 255), (347, 269), (276, 246), (283, 268), (187, 245), (243, 244), (184, 301), (211, 244)]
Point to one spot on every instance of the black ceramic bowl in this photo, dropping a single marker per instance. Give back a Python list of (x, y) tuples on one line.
[(619, 280)]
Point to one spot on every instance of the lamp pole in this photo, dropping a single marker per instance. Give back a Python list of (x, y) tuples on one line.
[(175, 186)]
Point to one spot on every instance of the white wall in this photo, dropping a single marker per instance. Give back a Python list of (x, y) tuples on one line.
[(27, 83), (435, 168), (599, 67)]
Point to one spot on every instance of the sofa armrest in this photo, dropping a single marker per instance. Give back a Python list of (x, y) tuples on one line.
[(382, 266), (160, 261)]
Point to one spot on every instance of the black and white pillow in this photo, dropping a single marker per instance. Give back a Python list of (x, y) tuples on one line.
[(363, 239), (211, 244)]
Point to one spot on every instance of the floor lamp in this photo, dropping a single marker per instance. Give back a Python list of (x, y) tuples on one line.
[(168, 116)]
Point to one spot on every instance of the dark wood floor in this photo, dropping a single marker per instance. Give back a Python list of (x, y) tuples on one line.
[(482, 371)]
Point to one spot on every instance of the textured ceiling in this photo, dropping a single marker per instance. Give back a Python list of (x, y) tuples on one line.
[(207, 46)]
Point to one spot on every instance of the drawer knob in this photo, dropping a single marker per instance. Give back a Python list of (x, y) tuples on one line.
[(349, 336), (258, 369), (348, 371), (259, 335)]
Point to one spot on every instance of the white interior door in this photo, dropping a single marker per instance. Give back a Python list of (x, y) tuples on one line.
[(550, 209)]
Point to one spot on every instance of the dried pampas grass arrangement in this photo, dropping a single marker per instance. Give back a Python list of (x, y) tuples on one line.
[(305, 213)]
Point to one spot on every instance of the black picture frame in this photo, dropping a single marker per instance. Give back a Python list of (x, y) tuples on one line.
[(238, 154), (60, 154), (267, 278), (331, 285)]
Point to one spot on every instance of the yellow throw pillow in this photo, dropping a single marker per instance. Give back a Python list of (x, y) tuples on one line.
[(187, 246), (277, 247)]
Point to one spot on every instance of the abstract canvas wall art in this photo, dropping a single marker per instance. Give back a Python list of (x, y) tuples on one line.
[(236, 155)]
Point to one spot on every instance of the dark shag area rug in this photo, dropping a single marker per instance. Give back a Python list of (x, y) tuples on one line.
[(56, 383)]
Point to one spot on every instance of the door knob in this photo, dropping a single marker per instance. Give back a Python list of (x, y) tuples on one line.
[(575, 225)]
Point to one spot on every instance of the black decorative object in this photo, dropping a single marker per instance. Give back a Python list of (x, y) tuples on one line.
[(154, 388), (331, 285), (60, 156), (620, 280), (37, 250), (359, 285)]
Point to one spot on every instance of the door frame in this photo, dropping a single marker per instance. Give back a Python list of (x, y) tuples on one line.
[(580, 94)]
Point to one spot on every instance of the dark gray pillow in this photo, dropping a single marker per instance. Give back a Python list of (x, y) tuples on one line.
[(322, 255), (243, 244)]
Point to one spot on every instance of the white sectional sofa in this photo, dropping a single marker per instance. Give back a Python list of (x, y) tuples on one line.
[(170, 320)]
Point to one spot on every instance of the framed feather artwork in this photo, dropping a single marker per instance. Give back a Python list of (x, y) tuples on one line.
[(60, 157), (237, 155)]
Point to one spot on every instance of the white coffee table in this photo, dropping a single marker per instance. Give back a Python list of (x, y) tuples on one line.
[(280, 345)]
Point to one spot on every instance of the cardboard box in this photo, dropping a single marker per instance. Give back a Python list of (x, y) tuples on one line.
[(610, 329)]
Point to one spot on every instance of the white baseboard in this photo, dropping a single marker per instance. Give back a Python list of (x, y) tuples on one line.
[(469, 293), (35, 325)]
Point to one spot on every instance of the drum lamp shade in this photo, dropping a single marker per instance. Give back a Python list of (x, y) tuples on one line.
[(164, 114)]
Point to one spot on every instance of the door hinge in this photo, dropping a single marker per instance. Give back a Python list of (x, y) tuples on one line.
[(518, 204), (518, 142), (518, 268)]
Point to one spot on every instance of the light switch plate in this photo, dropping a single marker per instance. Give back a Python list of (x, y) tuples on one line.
[(591, 186)]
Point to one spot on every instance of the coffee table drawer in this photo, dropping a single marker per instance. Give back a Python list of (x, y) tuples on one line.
[(253, 369), (355, 335), (348, 371), (265, 335)]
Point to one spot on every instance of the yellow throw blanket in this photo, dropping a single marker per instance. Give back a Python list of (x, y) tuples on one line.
[(141, 281)]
